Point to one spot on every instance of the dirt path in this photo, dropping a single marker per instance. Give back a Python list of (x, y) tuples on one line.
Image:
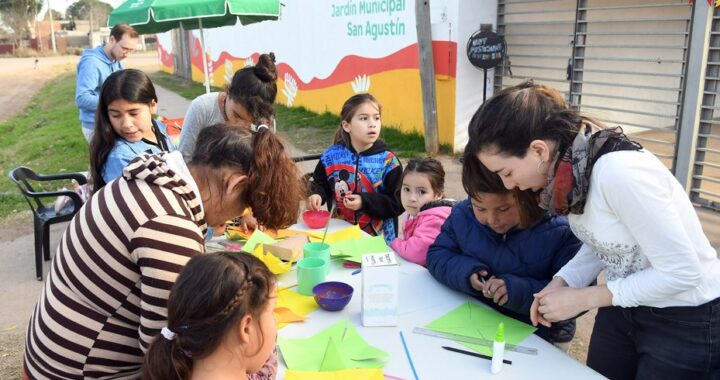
[(18, 288)]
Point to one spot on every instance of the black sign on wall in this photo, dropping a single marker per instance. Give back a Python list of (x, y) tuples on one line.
[(485, 49)]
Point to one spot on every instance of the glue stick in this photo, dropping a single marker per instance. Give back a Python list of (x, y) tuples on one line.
[(498, 349)]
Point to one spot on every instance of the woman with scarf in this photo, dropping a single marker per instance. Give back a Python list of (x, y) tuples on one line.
[(659, 312)]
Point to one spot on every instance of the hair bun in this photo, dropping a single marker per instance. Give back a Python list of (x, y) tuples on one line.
[(265, 68)]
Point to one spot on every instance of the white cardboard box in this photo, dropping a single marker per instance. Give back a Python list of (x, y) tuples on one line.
[(380, 289)]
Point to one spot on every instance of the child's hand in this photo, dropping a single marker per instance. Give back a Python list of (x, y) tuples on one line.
[(248, 222), (352, 201), (495, 288), (313, 202), (477, 280)]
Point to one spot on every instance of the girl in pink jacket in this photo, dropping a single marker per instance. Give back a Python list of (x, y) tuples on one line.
[(423, 183)]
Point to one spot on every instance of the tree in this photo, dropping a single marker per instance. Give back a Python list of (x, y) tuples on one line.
[(18, 15), (57, 16), (93, 10)]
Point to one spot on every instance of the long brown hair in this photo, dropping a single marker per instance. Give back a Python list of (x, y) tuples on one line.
[(478, 179), (348, 111), (274, 187), (211, 294)]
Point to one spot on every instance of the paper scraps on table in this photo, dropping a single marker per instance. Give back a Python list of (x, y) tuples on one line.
[(346, 374), (353, 249), (297, 303), (275, 265), (336, 348), (471, 319), (350, 232), (237, 233), (257, 237)]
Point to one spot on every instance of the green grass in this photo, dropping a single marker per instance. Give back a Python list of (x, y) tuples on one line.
[(45, 137), (307, 130)]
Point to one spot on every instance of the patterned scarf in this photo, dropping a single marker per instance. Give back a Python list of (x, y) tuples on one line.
[(568, 184)]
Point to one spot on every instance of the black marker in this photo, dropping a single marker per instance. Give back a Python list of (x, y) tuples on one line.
[(473, 354)]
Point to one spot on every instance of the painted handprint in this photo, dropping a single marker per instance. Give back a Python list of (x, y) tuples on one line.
[(229, 70), (361, 83), (290, 89)]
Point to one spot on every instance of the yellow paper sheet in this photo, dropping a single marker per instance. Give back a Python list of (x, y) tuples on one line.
[(283, 316), (299, 304), (275, 265), (351, 232), (346, 374)]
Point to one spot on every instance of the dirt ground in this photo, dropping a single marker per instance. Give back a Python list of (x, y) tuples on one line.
[(19, 290)]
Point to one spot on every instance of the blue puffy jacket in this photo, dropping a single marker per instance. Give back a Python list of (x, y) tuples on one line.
[(526, 259)]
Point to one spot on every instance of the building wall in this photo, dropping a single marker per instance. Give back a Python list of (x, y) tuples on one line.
[(331, 49)]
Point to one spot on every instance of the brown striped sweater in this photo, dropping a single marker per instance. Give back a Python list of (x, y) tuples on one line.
[(105, 297)]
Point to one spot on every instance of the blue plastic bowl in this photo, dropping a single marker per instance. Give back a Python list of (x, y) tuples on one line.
[(332, 295)]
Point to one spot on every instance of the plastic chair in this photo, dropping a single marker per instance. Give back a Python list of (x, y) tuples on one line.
[(44, 215)]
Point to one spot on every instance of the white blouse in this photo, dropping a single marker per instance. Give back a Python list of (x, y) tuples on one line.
[(640, 227)]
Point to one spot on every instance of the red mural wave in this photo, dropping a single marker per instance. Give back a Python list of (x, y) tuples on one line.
[(166, 58), (444, 57)]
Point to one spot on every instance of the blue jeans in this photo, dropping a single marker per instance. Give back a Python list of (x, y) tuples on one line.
[(657, 343)]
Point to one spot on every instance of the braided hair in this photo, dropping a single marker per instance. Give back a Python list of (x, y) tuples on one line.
[(211, 295)]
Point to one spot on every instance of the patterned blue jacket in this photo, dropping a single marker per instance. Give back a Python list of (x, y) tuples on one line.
[(374, 174)]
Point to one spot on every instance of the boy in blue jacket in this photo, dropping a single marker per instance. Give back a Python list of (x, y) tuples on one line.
[(500, 247)]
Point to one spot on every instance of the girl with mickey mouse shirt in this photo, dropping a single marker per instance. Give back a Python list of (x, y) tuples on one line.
[(358, 171)]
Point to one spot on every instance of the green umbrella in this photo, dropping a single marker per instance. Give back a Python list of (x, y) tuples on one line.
[(157, 16)]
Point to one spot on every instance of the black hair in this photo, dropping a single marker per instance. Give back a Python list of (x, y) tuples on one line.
[(255, 88), (131, 85)]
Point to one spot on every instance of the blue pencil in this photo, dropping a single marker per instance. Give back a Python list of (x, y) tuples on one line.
[(412, 366)]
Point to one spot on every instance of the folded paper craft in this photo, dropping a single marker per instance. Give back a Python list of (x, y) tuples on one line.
[(470, 319), (275, 265), (297, 303), (335, 348)]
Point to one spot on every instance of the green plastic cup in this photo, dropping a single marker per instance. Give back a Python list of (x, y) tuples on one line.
[(310, 272), (319, 250)]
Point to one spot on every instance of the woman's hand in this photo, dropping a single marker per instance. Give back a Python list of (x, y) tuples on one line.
[(535, 316), (564, 303), (313, 202), (353, 201)]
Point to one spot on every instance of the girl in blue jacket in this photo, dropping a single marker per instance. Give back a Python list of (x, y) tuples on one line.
[(500, 247), (124, 126)]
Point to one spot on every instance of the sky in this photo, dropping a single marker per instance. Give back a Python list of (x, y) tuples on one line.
[(61, 5)]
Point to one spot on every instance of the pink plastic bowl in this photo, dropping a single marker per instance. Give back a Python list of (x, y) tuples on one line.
[(316, 219)]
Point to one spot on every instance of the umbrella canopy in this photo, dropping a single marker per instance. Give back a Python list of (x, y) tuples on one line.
[(157, 16)]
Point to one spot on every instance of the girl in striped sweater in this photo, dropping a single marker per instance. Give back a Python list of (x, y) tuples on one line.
[(105, 299)]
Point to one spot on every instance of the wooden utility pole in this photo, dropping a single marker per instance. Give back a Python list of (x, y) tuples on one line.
[(427, 75), (52, 28)]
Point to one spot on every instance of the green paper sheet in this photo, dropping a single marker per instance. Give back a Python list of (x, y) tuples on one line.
[(471, 319), (337, 347), (353, 249), (257, 237)]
